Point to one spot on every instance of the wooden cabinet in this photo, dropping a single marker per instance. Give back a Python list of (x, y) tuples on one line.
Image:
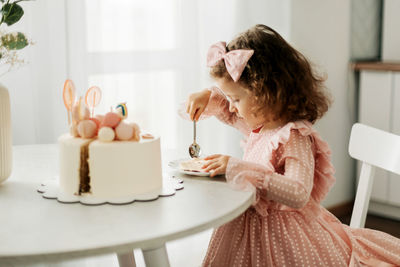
[(379, 106)]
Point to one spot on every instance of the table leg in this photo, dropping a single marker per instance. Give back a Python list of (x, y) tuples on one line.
[(156, 257), (127, 259)]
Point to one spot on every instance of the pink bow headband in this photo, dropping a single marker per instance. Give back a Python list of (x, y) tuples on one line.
[(235, 60)]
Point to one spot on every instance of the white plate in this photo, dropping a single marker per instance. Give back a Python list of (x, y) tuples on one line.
[(175, 165)]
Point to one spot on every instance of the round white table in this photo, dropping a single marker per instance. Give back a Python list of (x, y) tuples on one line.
[(34, 229)]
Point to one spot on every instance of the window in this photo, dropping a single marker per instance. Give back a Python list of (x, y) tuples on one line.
[(131, 49), (131, 25)]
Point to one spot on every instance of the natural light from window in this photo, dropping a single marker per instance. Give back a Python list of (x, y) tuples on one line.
[(131, 25), (129, 53)]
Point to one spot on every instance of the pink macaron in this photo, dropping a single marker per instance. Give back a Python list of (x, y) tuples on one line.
[(87, 129)]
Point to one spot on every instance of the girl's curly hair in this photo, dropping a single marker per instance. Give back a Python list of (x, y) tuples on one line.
[(280, 77)]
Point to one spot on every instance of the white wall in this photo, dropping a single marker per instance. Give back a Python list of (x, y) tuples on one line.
[(321, 31)]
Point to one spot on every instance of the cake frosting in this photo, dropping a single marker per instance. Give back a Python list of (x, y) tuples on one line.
[(109, 169), (192, 165)]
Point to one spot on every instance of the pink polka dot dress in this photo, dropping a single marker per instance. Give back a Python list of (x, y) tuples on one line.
[(290, 170)]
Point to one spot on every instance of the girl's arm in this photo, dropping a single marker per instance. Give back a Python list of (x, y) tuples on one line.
[(218, 106), (293, 187)]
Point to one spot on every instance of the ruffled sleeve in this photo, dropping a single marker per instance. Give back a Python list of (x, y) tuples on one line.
[(291, 188), (301, 169), (323, 171), (218, 106)]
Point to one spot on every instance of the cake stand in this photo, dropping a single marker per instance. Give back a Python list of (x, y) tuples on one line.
[(50, 190)]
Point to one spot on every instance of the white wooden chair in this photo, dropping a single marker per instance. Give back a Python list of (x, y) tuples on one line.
[(374, 148)]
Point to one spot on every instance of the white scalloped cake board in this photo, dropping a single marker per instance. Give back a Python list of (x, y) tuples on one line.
[(50, 190)]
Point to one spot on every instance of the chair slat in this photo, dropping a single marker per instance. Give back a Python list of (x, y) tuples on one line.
[(376, 147)]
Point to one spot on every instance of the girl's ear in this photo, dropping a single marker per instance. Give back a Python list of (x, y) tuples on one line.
[(257, 112), (254, 111)]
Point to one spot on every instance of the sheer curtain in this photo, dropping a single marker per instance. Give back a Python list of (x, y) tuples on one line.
[(150, 54), (137, 52)]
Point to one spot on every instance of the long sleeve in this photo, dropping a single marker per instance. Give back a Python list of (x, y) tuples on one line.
[(290, 183), (218, 106)]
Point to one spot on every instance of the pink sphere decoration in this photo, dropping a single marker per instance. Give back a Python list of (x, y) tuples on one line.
[(111, 120), (87, 129), (124, 131)]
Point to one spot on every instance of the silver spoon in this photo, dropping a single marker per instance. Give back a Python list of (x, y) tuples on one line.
[(194, 149)]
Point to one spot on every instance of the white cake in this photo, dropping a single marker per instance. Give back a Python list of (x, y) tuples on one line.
[(193, 165), (109, 169)]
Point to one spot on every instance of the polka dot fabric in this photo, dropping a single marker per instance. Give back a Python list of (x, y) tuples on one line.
[(290, 171)]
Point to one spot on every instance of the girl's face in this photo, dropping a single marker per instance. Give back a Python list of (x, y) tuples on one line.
[(242, 102)]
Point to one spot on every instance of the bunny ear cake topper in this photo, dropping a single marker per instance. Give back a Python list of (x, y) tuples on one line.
[(77, 109), (69, 97), (92, 98)]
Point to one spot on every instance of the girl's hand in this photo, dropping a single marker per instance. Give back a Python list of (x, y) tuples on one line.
[(216, 164), (196, 103)]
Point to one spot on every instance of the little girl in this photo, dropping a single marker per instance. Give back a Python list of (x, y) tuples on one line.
[(268, 91)]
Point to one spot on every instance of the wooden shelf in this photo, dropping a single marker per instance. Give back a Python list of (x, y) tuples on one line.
[(376, 65)]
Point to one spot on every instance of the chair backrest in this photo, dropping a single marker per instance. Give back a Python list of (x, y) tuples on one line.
[(374, 148)]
